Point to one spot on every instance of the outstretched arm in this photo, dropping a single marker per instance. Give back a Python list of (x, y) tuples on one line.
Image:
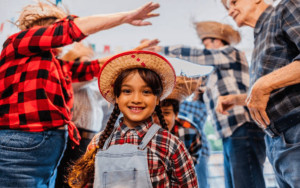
[(141, 46), (92, 24)]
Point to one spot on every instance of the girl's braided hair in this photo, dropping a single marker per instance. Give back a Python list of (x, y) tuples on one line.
[(83, 169)]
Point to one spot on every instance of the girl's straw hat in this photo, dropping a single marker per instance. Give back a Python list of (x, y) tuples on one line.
[(135, 59), (78, 51), (184, 88), (211, 29), (34, 12)]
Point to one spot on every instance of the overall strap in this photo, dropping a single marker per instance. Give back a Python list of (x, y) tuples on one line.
[(110, 137), (149, 135)]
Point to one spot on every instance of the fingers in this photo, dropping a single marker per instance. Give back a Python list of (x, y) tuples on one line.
[(150, 15), (221, 106), (153, 42), (149, 7), (265, 117)]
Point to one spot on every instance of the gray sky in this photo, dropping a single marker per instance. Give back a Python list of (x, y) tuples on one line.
[(173, 26)]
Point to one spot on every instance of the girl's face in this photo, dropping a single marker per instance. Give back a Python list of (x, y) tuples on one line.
[(136, 101)]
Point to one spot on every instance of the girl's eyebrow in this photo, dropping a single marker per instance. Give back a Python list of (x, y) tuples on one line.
[(126, 85)]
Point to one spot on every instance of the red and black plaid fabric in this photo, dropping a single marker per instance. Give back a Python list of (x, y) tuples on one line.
[(35, 87), (190, 136), (169, 163)]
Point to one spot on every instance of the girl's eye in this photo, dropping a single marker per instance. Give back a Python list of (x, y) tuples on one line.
[(125, 90), (147, 91)]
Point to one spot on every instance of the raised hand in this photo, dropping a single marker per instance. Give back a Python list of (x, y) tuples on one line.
[(137, 17)]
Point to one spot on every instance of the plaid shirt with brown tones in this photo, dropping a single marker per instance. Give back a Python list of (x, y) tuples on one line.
[(190, 136), (35, 87), (169, 163)]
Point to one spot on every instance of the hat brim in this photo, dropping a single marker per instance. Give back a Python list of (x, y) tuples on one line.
[(135, 59)]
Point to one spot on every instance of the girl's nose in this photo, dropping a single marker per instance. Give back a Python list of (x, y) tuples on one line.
[(137, 97)]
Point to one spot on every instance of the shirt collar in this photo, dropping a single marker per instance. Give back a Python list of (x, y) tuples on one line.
[(262, 19), (141, 129)]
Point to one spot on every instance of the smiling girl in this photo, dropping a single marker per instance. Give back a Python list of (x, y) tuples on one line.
[(135, 152)]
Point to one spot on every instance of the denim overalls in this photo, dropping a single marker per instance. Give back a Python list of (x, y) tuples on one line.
[(124, 166)]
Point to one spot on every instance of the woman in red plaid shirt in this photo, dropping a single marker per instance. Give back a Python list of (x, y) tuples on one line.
[(36, 95), (133, 151)]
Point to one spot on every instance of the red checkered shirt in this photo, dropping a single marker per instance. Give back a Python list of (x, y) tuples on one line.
[(190, 136), (169, 163), (35, 87)]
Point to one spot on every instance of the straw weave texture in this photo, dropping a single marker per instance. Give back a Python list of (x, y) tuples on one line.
[(211, 29), (78, 51), (135, 59), (184, 88), (32, 13)]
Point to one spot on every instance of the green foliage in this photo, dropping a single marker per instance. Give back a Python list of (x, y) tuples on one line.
[(214, 141)]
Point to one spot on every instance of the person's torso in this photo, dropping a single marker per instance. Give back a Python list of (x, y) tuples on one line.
[(273, 50)]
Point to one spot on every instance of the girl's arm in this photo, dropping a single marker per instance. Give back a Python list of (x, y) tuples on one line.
[(184, 170)]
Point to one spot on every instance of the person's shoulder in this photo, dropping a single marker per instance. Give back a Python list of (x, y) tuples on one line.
[(286, 6), (166, 139)]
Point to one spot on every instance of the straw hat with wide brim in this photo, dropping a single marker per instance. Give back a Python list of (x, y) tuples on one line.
[(135, 59), (32, 13), (184, 88), (78, 51), (211, 29)]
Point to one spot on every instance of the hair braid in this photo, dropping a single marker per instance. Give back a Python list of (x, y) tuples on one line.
[(83, 169), (109, 127), (161, 117)]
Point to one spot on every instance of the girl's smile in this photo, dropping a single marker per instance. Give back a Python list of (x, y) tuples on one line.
[(136, 101)]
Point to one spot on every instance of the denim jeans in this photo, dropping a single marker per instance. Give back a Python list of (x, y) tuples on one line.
[(284, 155), (244, 157), (30, 159), (202, 171)]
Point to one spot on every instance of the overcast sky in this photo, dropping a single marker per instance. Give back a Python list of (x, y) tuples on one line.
[(173, 26)]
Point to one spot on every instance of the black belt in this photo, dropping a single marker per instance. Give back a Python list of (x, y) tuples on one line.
[(274, 129)]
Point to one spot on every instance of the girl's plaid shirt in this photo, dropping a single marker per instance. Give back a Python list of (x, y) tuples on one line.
[(169, 163)]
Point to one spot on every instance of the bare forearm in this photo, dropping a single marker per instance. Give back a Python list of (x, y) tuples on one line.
[(240, 99), (92, 24), (285, 76)]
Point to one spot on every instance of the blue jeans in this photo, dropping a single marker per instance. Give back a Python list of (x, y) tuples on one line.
[(30, 159), (284, 155), (244, 157), (202, 171)]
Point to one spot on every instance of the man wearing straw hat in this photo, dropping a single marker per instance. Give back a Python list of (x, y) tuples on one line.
[(243, 144), (274, 99), (36, 95)]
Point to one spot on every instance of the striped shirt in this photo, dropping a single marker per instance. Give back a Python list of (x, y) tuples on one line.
[(169, 163), (230, 76)]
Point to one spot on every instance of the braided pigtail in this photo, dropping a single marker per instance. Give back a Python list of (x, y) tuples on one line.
[(161, 117), (109, 127), (83, 169)]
